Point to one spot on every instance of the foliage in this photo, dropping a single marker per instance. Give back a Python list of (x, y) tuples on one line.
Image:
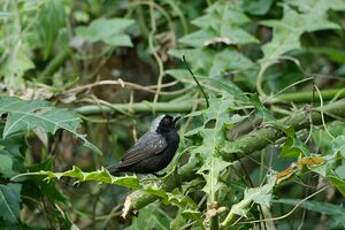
[(82, 80), (10, 200), (106, 30)]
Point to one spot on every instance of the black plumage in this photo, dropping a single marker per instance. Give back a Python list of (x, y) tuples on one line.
[(153, 151)]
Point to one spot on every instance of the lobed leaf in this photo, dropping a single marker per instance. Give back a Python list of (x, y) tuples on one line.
[(9, 202), (28, 115), (109, 31)]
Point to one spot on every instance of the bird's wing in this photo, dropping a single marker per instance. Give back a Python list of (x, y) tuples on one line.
[(148, 145)]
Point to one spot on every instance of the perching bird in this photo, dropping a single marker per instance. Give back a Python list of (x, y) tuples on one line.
[(153, 151)]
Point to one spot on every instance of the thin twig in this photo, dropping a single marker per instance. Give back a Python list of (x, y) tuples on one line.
[(155, 54), (124, 84), (321, 112), (196, 80), (290, 212), (111, 215)]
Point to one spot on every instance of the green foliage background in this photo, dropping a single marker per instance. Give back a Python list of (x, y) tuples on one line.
[(82, 80)]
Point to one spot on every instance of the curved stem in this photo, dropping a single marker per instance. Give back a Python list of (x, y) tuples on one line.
[(259, 80)]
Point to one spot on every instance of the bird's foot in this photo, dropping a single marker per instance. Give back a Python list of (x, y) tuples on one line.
[(160, 175)]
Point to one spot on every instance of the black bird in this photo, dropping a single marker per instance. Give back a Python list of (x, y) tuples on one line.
[(153, 151)]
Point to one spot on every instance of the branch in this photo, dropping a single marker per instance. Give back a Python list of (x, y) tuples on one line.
[(307, 96), (245, 145), (187, 106), (140, 107)]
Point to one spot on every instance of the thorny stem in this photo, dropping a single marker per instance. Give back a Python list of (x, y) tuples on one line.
[(243, 146)]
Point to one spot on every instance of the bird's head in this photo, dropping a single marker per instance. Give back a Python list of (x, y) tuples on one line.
[(164, 123)]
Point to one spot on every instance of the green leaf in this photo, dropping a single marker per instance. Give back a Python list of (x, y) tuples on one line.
[(228, 86), (259, 195), (338, 183), (9, 202), (6, 163), (109, 31), (261, 110), (223, 22), (328, 145), (152, 216), (28, 115), (318, 5), (14, 67), (340, 171), (175, 198), (259, 7), (215, 64), (338, 145), (288, 30), (213, 139), (211, 170), (51, 19), (293, 146)]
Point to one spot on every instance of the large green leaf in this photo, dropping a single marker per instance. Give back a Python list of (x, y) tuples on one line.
[(15, 52), (310, 16), (260, 195), (151, 216), (338, 183), (293, 146), (27, 115), (338, 145), (211, 170), (222, 23), (51, 19), (259, 7), (109, 31), (9, 202), (6, 163), (14, 67), (215, 64), (213, 139)]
